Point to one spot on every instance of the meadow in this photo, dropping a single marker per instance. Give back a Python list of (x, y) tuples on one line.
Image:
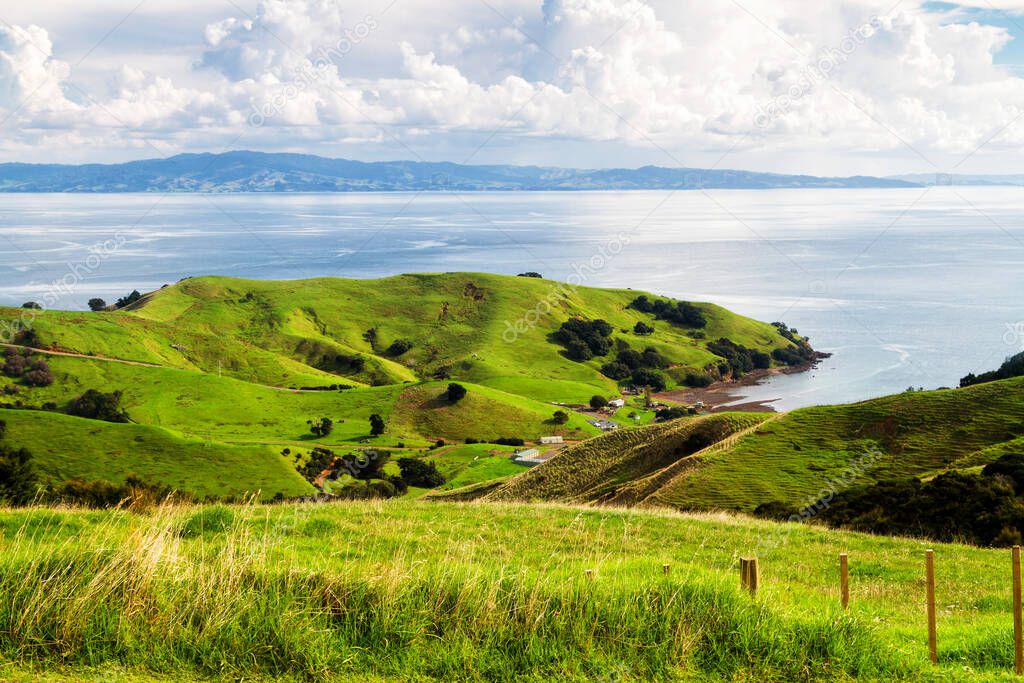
[(406, 590)]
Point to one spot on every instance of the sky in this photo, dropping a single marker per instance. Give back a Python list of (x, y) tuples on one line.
[(841, 87)]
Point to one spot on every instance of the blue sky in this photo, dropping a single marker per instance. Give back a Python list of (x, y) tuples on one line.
[(851, 86)]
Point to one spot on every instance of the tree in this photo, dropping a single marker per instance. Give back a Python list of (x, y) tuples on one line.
[(321, 427), (130, 299), (530, 274), (648, 378), (376, 425), (32, 305), (560, 417), (398, 347), (420, 473), (616, 370), (456, 392), (97, 304), (643, 329), (18, 481), (598, 402), (366, 464), (96, 405)]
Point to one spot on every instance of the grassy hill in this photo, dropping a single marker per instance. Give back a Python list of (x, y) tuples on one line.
[(66, 447), (318, 332), (744, 460), (226, 360), (408, 591)]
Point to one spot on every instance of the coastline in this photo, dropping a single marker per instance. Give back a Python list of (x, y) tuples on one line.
[(725, 395)]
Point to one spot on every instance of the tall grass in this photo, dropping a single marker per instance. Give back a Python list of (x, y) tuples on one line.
[(215, 592)]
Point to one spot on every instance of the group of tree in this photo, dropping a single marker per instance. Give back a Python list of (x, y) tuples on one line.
[(129, 299), (682, 313), (1011, 367), (321, 426), (560, 417), (584, 339), (97, 304), (97, 405), (641, 368), (984, 509), (32, 305), (367, 469), (800, 352), (643, 329), (377, 425), (19, 364), (739, 360), (420, 473), (530, 273)]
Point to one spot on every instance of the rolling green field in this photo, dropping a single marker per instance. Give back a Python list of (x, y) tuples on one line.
[(66, 447), (434, 591), (224, 361), (743, 459)]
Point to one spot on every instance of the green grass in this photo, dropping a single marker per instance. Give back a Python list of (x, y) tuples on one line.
[(433, 591), (796, 458), (277, 333), (66, 447)]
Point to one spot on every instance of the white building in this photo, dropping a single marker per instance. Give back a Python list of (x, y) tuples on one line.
[(551, 439), (617, 402)]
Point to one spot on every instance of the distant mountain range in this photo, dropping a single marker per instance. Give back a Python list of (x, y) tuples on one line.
[(259, 172), (940, 179)]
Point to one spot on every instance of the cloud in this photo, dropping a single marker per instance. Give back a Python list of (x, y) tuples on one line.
[(768, 76)]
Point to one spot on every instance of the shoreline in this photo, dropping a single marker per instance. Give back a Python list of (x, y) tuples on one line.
[(722, 395)]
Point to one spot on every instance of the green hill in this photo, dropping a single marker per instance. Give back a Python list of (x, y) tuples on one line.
[(325, 331), (66, 447), (745, 460)]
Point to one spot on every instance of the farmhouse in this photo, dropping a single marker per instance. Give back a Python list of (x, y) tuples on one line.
[(551, 439), (617, 402)]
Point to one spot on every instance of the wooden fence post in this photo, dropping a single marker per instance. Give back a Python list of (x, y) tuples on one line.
[(1018, 630), (590, 574), (929, 567), (844, 580), (749, 575), (664, 569)]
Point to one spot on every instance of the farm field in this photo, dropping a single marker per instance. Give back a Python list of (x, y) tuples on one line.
[(437, 591)]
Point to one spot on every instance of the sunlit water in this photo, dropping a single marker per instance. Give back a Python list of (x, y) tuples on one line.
[(904, 287)]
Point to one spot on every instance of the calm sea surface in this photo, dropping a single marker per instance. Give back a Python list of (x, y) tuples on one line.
[(904, 287)]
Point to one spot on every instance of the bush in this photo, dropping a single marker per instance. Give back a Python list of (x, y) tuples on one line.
[(96, 405), (420, 473), (696, 380), (509, 441), (584, 339), (673, 413), (377, 425), (648, 378), (617, 371), (321, 427), (560, 417), (643, 329), (19, 483), (455, 393), (398, 347), (681, 313), (598, 402), (32, 305)]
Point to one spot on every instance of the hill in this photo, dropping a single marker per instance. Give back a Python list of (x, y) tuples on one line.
[(65, 447), (456, 325), (408, 591), (243, 171), (795, 458), (241, 364)]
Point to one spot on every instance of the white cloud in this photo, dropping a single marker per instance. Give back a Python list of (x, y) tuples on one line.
[(779, 77)]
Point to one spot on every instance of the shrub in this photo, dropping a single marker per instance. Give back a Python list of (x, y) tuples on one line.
[(32, 305), (642, 329), (530, 274), (455, 393), (19, 483), (38, 378), (321, 427), (509, 441), (560, 417), (598, 402), (96, 405), (616, 370), (696, 380), (377, 425), (398, 347), (672, 413), (420, 473)]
